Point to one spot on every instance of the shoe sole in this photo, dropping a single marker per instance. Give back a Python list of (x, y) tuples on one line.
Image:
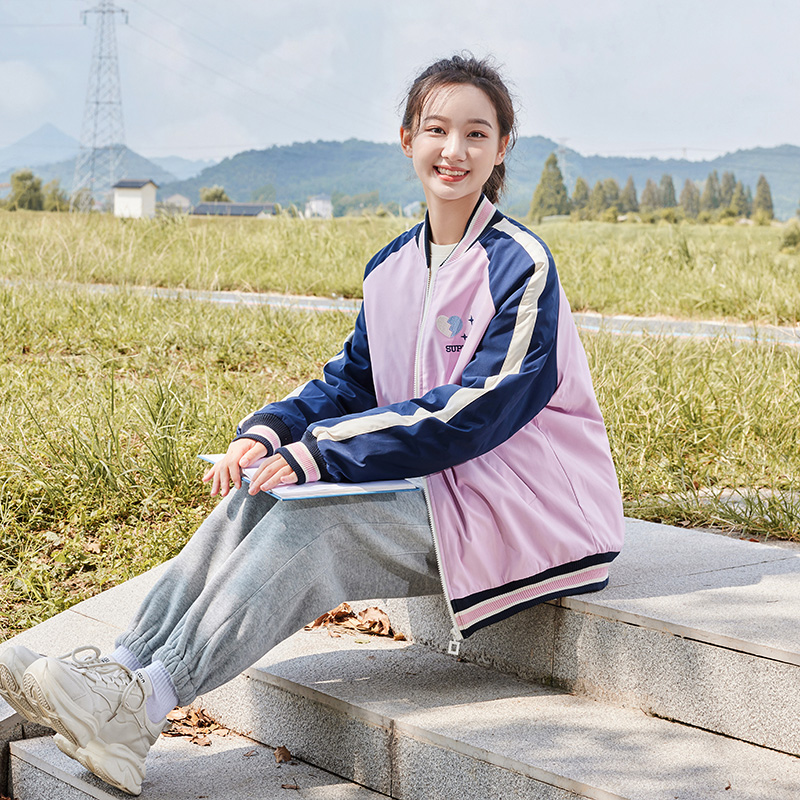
[(115, 764), (38, 699), (12, 693)]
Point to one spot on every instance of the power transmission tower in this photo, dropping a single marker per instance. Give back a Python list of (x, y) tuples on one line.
[(103, 134)]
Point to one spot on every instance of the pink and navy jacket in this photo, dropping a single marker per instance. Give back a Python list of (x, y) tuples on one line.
[(473, 376)]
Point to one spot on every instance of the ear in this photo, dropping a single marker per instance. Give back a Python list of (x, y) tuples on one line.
[(501, 153), (405, 142)]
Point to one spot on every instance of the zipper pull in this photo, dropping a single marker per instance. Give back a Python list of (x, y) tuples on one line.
[(454, 648)]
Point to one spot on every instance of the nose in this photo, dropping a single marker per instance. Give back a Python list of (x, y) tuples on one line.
[(453, 148)]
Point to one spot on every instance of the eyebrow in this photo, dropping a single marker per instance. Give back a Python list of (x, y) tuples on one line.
[(473, 121)]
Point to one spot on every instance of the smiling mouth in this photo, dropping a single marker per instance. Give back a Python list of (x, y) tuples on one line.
[(451, 173)]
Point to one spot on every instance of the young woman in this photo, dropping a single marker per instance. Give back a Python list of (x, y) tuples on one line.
[(464, 369)]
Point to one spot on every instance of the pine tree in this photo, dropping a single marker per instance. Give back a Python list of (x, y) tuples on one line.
[(726, 189), (627, 199), (551, 195), (667, 191), (611, 192), (651, 198), (597, 201), (763, 201), (710, 199), (738, 204), (690, 199), (580, 195)]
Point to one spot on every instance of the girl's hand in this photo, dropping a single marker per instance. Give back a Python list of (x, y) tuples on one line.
[(228, 470), (275, 471)]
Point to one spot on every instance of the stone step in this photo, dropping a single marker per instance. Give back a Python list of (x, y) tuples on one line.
[(231, 768), (694, 626), (415, 724)]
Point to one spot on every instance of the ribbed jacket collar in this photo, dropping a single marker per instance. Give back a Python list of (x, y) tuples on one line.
[(480, 218)]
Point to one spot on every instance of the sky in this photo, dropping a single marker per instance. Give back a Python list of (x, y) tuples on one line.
[(205, 79)]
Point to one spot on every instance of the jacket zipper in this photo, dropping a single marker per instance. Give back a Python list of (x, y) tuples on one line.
[(456, 638)]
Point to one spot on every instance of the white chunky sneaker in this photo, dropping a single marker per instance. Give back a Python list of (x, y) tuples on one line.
[(117, 754), (14, 661), (76, 695)]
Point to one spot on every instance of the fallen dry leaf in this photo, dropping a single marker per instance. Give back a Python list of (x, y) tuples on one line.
[(342, 619), (282, 754), (193, 724)]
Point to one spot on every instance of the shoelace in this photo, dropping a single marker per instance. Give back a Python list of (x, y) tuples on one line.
[(137, 682), (100, 670)]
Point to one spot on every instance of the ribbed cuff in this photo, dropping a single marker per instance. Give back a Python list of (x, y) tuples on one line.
[(264, 435), (264, 421), (300, 459)]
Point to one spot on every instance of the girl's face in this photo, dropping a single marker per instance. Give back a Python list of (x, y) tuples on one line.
[(457, 144)]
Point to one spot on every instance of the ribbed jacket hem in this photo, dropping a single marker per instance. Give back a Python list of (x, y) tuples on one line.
[(484, 608)]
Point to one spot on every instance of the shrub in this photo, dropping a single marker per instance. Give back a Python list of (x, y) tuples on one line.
[(791, 239)]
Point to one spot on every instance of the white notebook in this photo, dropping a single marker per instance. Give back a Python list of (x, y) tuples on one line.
[(306, 491)]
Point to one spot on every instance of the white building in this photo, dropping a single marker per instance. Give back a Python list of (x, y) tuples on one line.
[(134, 198), (319, 206)]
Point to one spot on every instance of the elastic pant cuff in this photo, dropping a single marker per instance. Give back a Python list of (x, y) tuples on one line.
[(179, 673)]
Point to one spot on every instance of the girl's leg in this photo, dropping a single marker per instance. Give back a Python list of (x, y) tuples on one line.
[(298, 561), (189, 572)]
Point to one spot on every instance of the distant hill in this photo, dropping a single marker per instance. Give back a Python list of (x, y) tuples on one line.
[(133, 166), (182, 168), (44, 146), (292, 173)]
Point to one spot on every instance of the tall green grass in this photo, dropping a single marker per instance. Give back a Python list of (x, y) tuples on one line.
[(105, 401), (694, 271)]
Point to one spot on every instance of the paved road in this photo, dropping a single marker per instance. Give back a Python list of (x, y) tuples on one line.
[(615, 324)]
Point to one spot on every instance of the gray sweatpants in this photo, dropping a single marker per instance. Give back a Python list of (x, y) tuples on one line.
[(259, 569)]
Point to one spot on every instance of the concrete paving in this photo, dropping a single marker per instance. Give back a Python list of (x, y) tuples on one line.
[(231, 768), (695, 627), (427, 715), (618, 324)]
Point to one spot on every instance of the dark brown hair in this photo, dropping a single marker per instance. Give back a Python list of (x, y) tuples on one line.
[(476, 72)]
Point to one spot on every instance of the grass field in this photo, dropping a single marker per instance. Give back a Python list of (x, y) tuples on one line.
[(105, 400), (698, 271)]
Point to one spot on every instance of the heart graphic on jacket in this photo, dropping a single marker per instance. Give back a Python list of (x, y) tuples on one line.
[(449, 326)]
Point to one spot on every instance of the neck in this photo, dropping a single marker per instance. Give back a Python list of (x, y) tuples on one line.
[(448, 218)]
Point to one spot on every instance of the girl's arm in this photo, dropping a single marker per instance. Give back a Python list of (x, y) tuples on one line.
[(511, 377)]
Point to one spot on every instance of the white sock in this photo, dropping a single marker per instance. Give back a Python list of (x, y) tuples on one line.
[(125, 657), (164, 697)]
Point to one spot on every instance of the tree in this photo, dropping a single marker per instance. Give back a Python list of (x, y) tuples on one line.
[(597, 201), (550, 196), (651, 197), (580, 195), (611, 192), (214, 194), (667, 191), (763, 200), (627, 199), (726, 188), (26, 191), (55, 199), (710, 198), (738, 204), (690, 199)]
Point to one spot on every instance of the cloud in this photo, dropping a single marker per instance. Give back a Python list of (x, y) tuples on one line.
[(25, 89)]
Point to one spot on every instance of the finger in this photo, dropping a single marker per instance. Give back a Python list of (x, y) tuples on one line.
[(283, 476)]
